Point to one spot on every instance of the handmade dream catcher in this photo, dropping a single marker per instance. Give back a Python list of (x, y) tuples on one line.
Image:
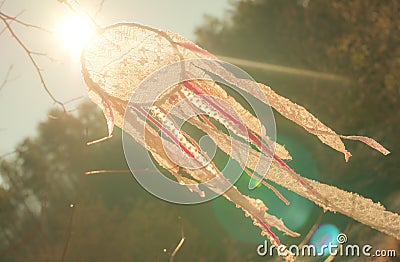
[(151, 83)]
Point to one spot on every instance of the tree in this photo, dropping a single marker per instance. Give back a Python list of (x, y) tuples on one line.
[(50, 210)]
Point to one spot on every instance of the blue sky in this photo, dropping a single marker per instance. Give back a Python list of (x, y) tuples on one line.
[(23, 102)]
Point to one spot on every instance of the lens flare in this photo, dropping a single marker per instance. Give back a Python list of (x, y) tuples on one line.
[(297, 215), (325, 234), (74, 34)]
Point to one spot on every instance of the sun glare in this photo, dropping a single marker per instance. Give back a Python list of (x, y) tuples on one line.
[(74, 33)]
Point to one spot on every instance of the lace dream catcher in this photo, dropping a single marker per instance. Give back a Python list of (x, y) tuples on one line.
[(151, 83)]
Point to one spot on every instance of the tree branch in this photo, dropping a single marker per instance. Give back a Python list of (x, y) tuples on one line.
[(16, 20), (11, 20), (29, 53), (178, 247), (101, 4), (6, 78)]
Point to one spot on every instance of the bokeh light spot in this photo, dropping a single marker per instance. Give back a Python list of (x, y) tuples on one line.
[(325, 234), (296, 216)]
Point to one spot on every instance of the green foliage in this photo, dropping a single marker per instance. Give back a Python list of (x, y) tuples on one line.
[(112, 218)]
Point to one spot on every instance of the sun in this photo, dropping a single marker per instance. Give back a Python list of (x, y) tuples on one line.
[(74, 33)]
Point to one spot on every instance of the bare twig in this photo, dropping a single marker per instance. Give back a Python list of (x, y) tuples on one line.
[(68, 232), (74, 99), (95, 172), (178, 247), (52, 117), (50, 58), (101, 4), (6, 78), (10, 22), (311, 232), (30, 55), (16, 20), (75, 7), (7, 154), (98, 140), (72, 110)]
